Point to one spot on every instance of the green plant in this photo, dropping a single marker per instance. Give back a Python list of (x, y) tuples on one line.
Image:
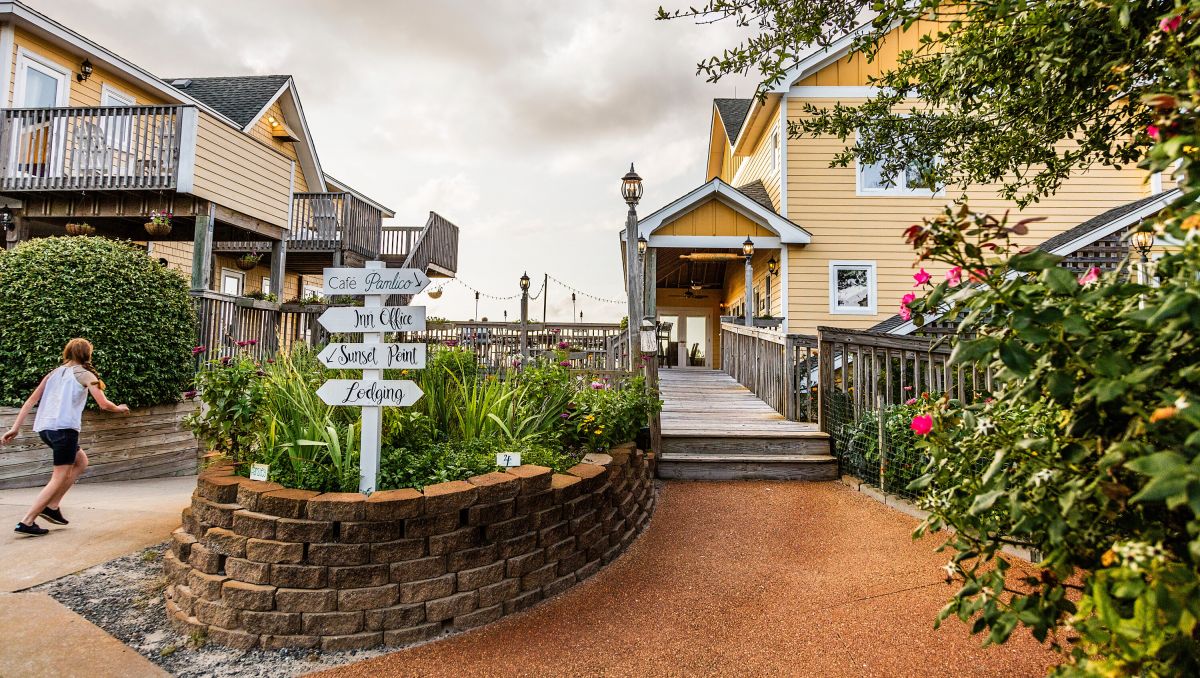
[(262, 296), (137, 314), (233, 394)]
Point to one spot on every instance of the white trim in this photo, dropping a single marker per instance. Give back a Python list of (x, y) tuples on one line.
[(775, 141), (388, 212), (819, 58), (265, 285), (835, 91), (733, 198), (107, 90), (307, 152), (185, 173), (1156, 183), (7, 39), (40, 62), (715, 242), (783, 286), (872, 287), (240, 275), (783, 144), (894, 191)]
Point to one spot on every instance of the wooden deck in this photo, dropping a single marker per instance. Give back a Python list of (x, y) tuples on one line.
[(714, 428)]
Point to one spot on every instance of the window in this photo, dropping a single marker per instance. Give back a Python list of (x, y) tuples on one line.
[(311, 291), (266, 284), (41, 83), (870, 180), (232, 282), (775, 150), (852, 287)]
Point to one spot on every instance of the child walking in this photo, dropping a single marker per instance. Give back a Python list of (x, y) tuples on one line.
[(60, 399)]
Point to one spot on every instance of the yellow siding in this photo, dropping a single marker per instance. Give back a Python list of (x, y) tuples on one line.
[(262, 131), (757, 166), (734, 291), (856, 71), (179, 258), (714, 218), (240, 173), (86, 93), (846, 226)]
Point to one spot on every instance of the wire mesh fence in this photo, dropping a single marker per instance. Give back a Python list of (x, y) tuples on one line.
[(876, 445)]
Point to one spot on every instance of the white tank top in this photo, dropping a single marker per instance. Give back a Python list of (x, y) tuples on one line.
[(62, 400)]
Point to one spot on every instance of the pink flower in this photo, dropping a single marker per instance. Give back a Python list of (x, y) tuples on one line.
[(199, 349), (1169, 24), (565, 363), (225, 361), (922, 278), (922, 424), (564, 345), (565, 415), (1152, 130), (978, 275), (1092, 275), (910, 401), (954, 276), (908, 299), (597, 386), (251, 342), (905, 313), (188, 395), (908, 388)]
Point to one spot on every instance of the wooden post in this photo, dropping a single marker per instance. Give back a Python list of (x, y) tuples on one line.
[(632, 289), (749, 293), (650, 283), (202, 258), (789, 379), (524, 339), (372, 417)]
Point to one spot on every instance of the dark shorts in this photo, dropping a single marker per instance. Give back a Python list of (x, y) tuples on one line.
[(64, 442)]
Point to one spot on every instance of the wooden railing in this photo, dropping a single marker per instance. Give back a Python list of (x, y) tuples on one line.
[(779, 368), (107, 148), (436, 247), (398, 242), (224, 321), (863, 370), (333, 221), (498, 344)]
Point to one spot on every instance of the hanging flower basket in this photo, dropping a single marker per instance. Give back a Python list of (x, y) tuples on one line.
[(248, 262), (82, 228), (435, 294), (159, 224)]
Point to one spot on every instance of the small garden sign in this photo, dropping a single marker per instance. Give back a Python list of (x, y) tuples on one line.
[(372, 392)]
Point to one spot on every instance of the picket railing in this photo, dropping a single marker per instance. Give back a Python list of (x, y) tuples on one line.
[(779, 368)]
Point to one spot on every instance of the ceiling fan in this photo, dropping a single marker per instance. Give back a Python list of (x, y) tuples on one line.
[(693, 291)]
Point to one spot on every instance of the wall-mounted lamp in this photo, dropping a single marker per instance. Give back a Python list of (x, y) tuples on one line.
[(772, 266), (643, 244), (85, 71), (6, 218)]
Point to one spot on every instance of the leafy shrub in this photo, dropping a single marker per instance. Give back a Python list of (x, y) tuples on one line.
[(232, 392), (439, 462), (603, 414), (136, 313)]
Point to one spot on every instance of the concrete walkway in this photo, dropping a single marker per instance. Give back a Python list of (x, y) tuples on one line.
[(107, 520), (741, 578)]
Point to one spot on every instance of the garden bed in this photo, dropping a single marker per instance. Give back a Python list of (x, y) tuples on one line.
[(257, 565), (149, 442)]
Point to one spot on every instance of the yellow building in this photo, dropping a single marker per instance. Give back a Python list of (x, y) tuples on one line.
[(89, 137), (828, 243)]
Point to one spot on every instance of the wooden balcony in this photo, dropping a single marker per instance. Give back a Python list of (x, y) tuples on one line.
[(109, 148), (432, 248)]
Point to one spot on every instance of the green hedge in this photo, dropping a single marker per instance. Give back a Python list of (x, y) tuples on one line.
[(136, 313)]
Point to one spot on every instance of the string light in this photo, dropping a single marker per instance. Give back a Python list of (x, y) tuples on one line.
[(620, 302), (539, 293)]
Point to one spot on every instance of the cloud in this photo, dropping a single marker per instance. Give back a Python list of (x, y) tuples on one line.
[(513, 119)]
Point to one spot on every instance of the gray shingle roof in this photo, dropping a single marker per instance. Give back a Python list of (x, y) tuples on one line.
[(1093, 225), (733, 115), (757, 192), (239, 98)]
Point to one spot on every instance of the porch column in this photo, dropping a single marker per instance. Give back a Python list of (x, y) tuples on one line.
[(202, 258), (650, 283), (749, 293), (278, 261)]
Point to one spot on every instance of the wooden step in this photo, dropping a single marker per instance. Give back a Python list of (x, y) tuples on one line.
[(746, 467), (813, 443)]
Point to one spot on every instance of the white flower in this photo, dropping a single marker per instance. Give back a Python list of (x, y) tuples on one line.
[(1181, 403), (985, 426), (1042, 477), (951, 569)]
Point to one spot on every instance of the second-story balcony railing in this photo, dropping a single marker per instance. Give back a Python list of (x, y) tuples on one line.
[(333, 221), (103, 148)]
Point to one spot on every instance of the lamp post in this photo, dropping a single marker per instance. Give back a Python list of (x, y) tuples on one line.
[(477, 305), (572, 305), (748, 252), (772, 268), (1143, 242), (524, 316), (631, 191)]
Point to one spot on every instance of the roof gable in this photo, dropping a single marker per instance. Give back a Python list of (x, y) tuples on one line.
[(788, 231), (733, 115), (240, 98)]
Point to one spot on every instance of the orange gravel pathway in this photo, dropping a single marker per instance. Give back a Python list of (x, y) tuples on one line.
[(741, 578)]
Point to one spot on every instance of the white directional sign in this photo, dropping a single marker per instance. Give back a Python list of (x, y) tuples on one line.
[(360, 281), (377, 319), (374, 356), (370, 393)]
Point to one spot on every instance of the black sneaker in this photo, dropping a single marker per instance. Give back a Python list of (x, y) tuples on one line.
[(32, 530), (54, 515)]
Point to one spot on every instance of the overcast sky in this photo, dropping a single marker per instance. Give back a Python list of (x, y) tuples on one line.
[(514, 120)]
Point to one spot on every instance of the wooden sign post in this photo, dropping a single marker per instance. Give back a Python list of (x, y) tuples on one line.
[(374, 283)]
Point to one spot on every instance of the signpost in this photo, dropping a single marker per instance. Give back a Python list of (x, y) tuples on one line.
[(374, 283)]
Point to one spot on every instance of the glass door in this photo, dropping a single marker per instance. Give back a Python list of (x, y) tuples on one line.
[(688, 342)]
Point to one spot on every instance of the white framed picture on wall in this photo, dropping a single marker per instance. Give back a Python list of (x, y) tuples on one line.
[(852, 287)]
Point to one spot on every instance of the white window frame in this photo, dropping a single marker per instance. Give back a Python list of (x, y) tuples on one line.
[(775, 150), (239, 275), (122, 97), (26, 58), (306, 290), (896, 190), (872, 288), (266, 284)]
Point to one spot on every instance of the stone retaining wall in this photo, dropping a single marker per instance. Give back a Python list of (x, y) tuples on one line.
[(258, 565)]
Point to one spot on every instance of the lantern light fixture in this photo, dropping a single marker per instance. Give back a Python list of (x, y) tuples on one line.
[(525, 282), (6, 218), (772, 266), (642, 245), (631, 187), (1142, 242), (85, 71), (748, 248)]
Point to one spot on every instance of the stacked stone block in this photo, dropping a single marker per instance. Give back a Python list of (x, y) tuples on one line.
[(259, 565)]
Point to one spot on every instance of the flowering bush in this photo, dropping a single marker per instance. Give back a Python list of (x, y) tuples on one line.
[(232, 392)]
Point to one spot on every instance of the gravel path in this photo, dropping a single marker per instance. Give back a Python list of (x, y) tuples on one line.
[(749, 578), (124, 597)]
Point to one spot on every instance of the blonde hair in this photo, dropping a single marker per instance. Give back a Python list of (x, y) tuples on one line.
[(80, 351)]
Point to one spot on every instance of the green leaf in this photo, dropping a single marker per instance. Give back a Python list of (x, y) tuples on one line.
[(1160, 488), (984, 502), (973, 350), (1060, 280), (1016, 358), (1159, 463), (1108, 390), (1037, 260)]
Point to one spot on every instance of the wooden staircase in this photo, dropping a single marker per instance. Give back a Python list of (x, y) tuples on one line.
[(713, 428)]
